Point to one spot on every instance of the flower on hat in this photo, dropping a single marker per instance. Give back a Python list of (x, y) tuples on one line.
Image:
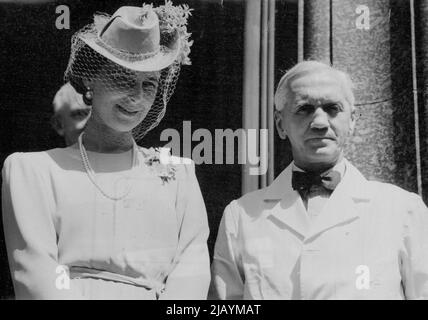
[(173, 22)]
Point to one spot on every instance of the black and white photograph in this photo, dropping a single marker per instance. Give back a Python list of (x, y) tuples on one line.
[(214, 150)]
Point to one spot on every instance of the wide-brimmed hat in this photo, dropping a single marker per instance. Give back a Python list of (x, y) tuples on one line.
[(131, 38)]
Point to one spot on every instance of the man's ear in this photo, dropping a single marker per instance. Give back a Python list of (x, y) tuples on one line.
[(279, 126), (353, 121), (57, 124)]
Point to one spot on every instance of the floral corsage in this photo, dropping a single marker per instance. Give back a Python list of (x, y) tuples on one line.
[(157, 159)]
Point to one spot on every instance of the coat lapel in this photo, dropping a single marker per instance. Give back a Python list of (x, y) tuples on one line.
[(287, 204), (342, 206)]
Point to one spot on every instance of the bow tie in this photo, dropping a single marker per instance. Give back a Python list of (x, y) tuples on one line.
[(303, 181)]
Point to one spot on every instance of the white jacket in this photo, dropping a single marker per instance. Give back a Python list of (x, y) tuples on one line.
[(369, 242)]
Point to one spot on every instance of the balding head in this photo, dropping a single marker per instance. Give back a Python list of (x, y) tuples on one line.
[(70, 113), (311, 69)]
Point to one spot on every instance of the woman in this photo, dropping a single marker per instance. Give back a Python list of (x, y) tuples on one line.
[(105, 219)]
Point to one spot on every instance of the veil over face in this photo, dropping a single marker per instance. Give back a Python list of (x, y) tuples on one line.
[(122, 100)]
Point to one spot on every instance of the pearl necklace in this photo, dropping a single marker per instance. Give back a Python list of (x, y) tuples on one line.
[(91, 174)]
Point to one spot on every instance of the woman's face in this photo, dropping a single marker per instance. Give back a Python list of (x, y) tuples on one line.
[(122, 98)]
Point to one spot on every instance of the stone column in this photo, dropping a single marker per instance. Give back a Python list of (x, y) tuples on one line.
[(379, 61), (316, 30), (421, 20)]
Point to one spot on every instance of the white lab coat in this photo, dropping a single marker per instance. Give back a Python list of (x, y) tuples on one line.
[(369, 242)]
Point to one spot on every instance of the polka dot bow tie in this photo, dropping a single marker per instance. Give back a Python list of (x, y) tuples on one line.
[(303, 181)]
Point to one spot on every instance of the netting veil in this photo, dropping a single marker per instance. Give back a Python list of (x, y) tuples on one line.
[(87, 64)]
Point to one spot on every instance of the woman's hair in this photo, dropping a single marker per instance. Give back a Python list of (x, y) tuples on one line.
[(84, 68)]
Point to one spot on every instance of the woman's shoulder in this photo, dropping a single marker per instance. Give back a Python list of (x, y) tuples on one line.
[(36, 160), (24, 158)]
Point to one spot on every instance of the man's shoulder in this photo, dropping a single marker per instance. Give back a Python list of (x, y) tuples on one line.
[(379, 188), (397, 204), (390, 192), (252, 197), (251, 204)]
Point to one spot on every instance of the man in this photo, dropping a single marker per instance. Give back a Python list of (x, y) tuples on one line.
[(70, 113), (321, 230)]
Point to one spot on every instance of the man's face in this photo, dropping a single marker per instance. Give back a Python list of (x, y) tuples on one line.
[(72, 118), (317, 119)]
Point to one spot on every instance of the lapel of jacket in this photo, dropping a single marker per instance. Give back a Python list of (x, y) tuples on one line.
[(287, 204), (342, 206)]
